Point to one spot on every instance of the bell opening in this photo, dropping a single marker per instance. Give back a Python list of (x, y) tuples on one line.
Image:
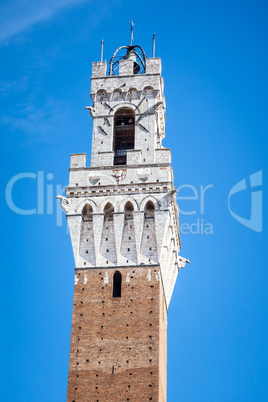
[(131, 56), (136, 68)]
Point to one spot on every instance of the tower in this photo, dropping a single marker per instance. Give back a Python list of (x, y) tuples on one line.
[(123, 222)]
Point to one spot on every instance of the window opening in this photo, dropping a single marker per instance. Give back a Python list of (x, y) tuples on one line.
[(149, 210), (108, 212), (87, 213), (117, 284), (129, 211), (124, 134)]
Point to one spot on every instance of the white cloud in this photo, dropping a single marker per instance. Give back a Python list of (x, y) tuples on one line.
[(17, 16)]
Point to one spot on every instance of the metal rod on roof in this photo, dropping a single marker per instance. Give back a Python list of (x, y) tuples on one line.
[(131, 29), (102, 49), (153, 45)]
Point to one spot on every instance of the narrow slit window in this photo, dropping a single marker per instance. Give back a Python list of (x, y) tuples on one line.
[(117, 284)]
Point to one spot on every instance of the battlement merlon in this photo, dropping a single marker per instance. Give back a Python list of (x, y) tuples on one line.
[(153, 66)]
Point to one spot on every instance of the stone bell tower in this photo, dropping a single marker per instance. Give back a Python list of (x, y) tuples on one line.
[(124, 228)]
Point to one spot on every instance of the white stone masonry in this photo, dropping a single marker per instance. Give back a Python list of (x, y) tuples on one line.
[(125, 215)]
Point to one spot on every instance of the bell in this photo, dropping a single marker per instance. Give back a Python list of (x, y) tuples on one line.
[(131, 56)]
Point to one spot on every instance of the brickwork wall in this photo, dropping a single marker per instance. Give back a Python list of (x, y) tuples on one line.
[(118, 345), (162, 348)]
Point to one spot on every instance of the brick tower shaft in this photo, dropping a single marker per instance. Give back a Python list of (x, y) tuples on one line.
[(118, 345)]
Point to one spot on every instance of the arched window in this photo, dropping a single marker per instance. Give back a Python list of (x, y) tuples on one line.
[(117, 284), (124, 134), (129, 210), (108, 212), (149, 209), (87, 213)]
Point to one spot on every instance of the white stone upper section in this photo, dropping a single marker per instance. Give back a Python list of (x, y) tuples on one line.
[(143, 94)]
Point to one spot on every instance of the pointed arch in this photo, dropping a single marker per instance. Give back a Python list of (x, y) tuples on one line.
[(88, 201), (132, 201), (107, 200), (149, 198)]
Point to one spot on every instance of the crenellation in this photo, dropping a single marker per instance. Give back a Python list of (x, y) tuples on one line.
[(99, 69), (153, 65), (78, 160), (126, 67)]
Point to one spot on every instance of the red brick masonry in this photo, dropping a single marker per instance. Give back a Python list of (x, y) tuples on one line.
[(118, 345)]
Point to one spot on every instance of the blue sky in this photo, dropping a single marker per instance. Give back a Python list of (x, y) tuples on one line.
[(214, 58)]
